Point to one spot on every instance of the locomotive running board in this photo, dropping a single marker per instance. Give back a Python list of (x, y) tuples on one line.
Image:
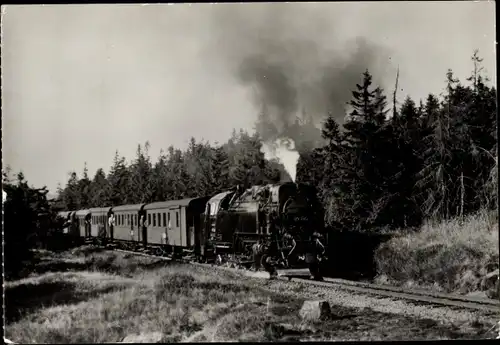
[(294, 272)]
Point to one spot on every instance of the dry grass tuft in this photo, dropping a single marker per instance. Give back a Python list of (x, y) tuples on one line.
[(452, 256), (107, 301)]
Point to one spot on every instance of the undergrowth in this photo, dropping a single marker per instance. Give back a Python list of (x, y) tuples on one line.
[(451, 256)]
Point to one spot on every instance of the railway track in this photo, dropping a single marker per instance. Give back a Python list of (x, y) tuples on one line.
[(419, 296)]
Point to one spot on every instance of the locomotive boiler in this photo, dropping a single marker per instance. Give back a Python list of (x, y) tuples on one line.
[(271, 214)]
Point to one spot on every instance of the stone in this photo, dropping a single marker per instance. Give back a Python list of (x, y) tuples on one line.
[(153, 337), (490, 280), (315, 310)]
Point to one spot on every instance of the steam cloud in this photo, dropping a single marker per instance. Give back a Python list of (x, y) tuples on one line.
[(293, 63)]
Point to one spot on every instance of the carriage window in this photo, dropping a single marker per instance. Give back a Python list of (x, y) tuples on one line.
[(177, 218), (128, 219), (135, 219), (154, 219), (149, 219), (164, 219)]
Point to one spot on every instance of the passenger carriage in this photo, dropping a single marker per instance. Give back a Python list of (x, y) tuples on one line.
[(82, 220), (174, 226), (99, 229), (126, 224)]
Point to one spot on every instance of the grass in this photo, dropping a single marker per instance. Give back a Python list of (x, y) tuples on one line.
[(105, 296), (452, 256)]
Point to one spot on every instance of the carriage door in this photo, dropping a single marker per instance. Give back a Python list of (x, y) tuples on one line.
[(144, 229), (132, 220), (111, 227), (174, 233)]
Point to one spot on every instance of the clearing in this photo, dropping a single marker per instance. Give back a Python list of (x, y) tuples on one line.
[(93, 296)]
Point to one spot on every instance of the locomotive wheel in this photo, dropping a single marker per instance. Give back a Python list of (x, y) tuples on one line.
[(218, 260)]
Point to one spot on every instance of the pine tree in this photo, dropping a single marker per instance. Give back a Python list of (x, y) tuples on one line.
[(161, 189), (100, 190), (332, 159), (71, 194), (84, 189), (221, 169), (6, 174), (437, 174), (365, 138), (28, 219), (177, 175), (119, 177), (140, 180), (481, 124)]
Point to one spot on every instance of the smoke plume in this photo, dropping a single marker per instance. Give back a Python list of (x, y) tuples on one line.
[(293, 62)]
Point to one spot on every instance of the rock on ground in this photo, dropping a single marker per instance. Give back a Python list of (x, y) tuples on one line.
[(315, 310), (490, 283), (154, 337)]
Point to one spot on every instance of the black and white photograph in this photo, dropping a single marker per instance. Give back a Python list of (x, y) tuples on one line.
[(249, 172)]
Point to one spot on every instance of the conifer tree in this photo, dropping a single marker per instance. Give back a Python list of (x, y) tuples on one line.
[(161, 189), (100, 190), (119, 179), (140, 179), (71, 195), (365, 141), (84, 189)]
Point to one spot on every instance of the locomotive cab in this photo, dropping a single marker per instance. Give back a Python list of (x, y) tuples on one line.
[(215, 210)]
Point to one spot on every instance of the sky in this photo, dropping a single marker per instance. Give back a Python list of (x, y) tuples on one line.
[(82, 81)]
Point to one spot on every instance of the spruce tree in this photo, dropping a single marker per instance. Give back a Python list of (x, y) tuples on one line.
[(365, 138), (118, 178), (140, 177), (100, 190)]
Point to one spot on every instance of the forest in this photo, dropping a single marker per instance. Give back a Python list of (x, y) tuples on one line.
[(388, 165)]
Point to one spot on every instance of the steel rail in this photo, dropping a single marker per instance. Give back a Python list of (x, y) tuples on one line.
[(422, 296), (452, 301)]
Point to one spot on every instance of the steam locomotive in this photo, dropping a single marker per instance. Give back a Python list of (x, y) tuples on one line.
[(221, 229)]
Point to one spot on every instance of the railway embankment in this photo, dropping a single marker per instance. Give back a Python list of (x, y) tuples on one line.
[(454, 256), (93, 295)]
